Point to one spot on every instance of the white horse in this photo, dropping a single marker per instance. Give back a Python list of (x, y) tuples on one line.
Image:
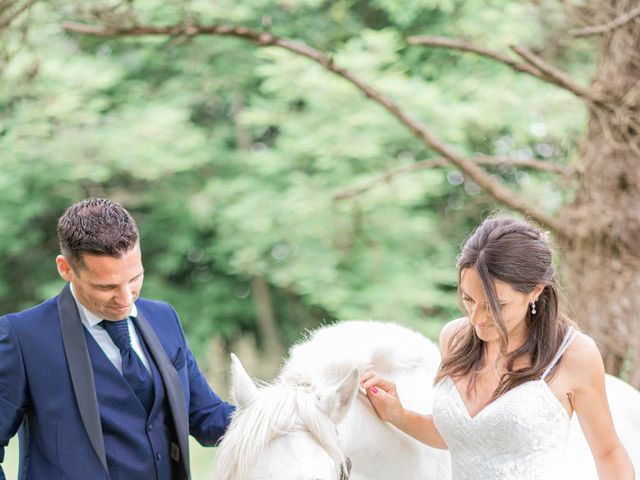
[(311, 423), (311, 419)]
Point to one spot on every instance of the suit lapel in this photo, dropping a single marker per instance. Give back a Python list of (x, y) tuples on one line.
[(172, 386), (75, 347)]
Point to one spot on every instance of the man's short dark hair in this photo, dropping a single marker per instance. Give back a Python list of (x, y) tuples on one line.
[(96, 226)]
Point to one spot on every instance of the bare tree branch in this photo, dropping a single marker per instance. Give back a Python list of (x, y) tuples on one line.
[(422, 165), (442, 162), (6, 21), (491, 185), (577, 12), (557, 76), (6, 5), (530, 163), (607, 27), (534, 65), (461, 45)]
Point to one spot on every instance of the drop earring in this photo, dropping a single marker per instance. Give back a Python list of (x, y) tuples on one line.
[(533, 307)]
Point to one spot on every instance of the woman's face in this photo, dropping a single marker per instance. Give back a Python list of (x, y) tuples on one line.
[(514, 307)]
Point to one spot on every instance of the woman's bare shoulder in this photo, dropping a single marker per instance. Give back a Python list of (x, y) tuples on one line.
[(583, 360), (448, 331)]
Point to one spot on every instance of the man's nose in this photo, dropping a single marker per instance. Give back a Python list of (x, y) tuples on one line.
[(124, 296)]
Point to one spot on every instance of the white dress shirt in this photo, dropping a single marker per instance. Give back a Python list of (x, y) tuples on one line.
[(100, 335)]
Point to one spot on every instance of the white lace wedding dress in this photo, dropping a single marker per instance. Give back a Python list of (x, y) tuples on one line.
[(521, 435)]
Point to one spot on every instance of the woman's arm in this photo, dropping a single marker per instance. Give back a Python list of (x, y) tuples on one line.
[(383, 396), (592, 407)]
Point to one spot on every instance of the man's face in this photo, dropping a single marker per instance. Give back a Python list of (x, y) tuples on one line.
[(106, 286)]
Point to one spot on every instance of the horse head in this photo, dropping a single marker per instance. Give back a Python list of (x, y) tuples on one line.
[(284, 431)]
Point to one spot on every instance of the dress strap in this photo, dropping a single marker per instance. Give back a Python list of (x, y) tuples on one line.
[(568, 338)]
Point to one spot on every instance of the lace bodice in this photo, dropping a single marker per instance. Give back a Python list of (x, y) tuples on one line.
[(519, 436)]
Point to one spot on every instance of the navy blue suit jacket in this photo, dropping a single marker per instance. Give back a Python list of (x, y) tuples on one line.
[(47, 386)]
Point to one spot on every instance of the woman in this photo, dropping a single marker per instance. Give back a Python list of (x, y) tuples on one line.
[(513, 370)]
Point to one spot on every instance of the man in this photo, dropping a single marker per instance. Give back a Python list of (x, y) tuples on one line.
[(102, 381)]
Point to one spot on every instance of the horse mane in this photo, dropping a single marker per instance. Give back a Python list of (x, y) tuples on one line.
[(276, 410)]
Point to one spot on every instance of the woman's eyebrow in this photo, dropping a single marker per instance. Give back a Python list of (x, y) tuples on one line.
[(465, 294)]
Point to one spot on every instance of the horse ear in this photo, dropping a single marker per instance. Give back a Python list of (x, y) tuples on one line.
[(242, 387), (336, 401)]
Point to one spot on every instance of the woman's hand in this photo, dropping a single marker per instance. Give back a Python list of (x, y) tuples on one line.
[(383, 396)]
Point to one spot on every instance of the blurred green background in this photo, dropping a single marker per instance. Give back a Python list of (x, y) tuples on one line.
[(230, 157)]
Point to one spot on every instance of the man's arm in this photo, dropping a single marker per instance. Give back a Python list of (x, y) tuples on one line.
[(209, 415), (12, 387)]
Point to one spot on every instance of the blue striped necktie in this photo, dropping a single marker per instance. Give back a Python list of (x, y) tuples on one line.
[(133, 370)]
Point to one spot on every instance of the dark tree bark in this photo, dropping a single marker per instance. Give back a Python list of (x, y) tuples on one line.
[(601, 260)]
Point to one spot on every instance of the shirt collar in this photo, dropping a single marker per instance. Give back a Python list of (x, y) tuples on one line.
[(91, 318)]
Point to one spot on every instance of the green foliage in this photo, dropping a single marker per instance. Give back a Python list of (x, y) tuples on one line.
[(158, 123)]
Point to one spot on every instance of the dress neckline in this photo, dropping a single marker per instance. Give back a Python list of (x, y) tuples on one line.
[(489, 405), (570, 334)]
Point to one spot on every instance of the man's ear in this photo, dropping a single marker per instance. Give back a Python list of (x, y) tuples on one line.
[(336, 401), (242, 387), (64, 268)]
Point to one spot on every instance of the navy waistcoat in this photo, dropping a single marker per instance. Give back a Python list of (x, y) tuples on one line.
[(138, 447)]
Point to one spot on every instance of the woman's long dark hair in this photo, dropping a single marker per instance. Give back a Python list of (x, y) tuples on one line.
[(516, 253)]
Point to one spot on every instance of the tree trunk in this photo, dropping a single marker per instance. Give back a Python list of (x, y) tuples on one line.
[(271, 343), (601, 260)]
